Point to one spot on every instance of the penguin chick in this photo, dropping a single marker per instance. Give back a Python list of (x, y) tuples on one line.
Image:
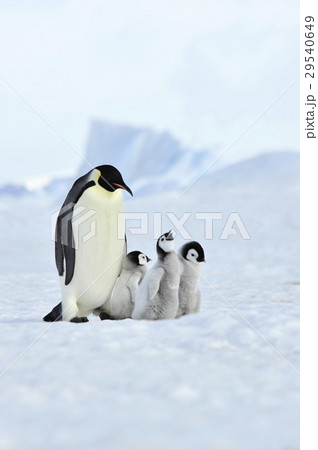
[(123, 299), (190, 256), (157, 296)]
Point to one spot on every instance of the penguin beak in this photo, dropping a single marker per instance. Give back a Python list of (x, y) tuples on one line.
[(148, 259), (201, 260), (170, 236), (125, 187)]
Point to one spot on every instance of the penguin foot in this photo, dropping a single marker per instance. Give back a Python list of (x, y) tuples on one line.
[(55, 314), (105, 316), (79, 319)]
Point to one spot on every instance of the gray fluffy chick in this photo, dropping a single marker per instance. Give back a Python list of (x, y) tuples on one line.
[(123, 299), (157, 297), (190, 257)]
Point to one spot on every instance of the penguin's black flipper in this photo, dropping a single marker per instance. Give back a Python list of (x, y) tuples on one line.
[(55, 314), (64, 239)]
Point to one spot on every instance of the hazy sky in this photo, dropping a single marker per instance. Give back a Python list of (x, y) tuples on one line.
[(203, 70)]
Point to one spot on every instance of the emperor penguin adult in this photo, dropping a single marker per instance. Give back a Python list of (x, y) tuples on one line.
[(157, 296), (190, 256), (122, 301), (90, 243)]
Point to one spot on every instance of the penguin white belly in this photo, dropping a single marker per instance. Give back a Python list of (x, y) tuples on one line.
[(99, 235)]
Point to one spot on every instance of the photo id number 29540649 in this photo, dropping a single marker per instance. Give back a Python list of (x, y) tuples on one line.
[(311, 100)]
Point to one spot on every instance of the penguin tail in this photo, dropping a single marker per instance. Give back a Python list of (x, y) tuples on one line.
[(55, 314)]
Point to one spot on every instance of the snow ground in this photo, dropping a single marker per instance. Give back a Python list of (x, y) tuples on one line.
[(207, 381)]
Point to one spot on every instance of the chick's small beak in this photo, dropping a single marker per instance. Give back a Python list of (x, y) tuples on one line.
[(170, 236)]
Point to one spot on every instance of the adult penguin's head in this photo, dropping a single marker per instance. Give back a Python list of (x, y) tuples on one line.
[(110, 179)]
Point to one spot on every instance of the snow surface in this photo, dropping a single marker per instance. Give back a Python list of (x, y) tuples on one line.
[(206, 381)]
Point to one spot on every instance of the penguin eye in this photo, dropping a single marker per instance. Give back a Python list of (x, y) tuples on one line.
[(162, 239), (192, 254)]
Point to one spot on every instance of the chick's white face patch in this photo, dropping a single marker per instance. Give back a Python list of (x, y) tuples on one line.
[(142, 259), (167, 246), (192, 255)]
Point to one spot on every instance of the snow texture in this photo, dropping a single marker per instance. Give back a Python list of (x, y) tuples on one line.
[(223, 379)]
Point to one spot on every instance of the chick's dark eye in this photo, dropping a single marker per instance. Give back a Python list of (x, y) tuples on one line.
[(192, 254)]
